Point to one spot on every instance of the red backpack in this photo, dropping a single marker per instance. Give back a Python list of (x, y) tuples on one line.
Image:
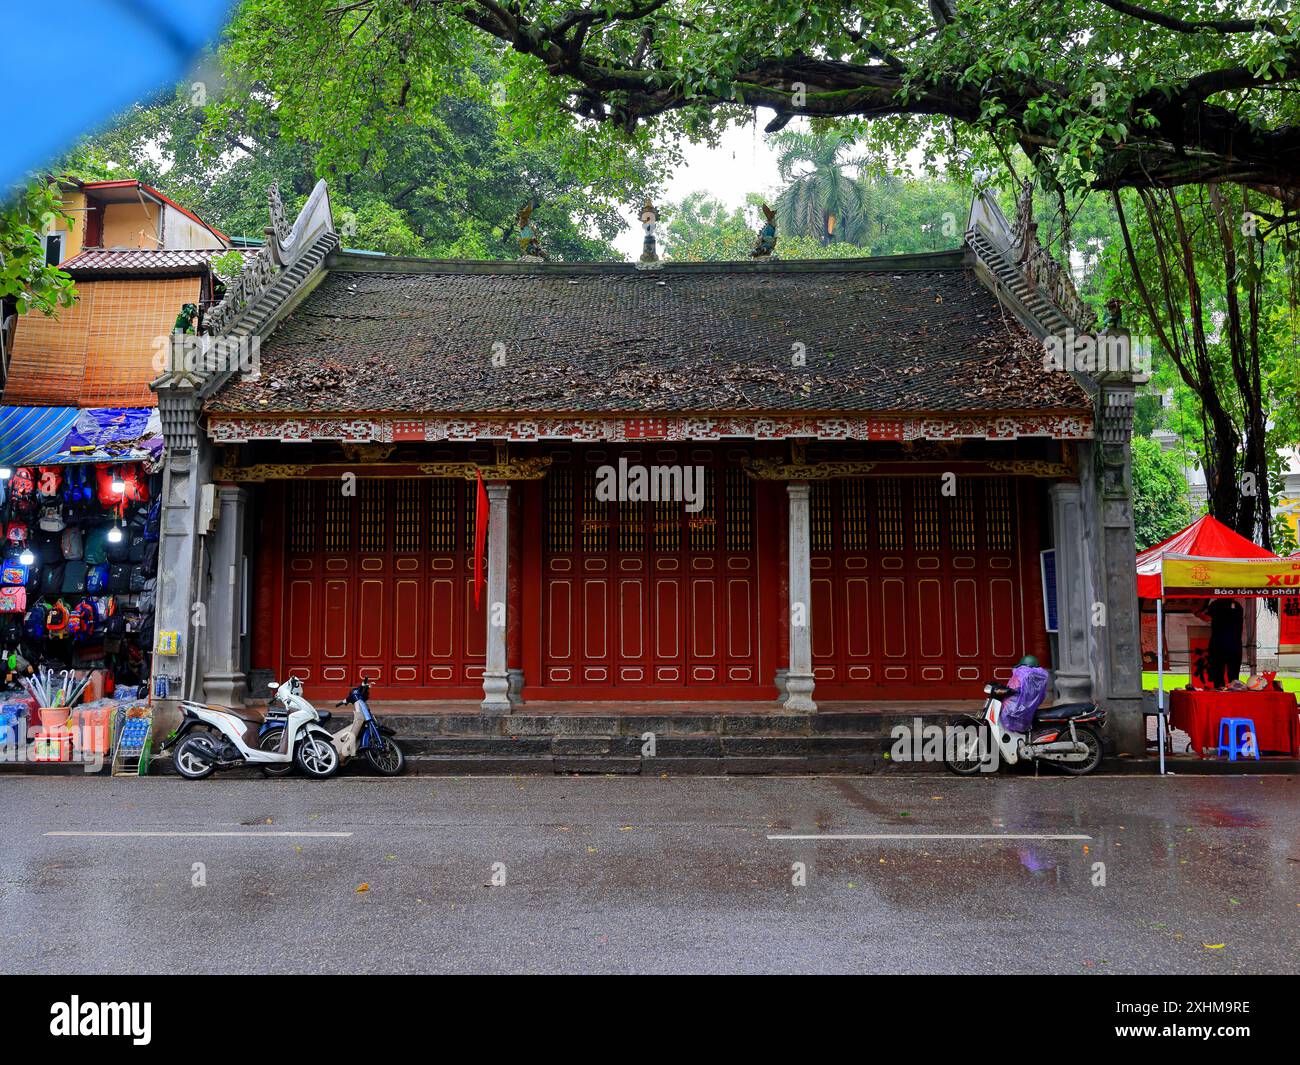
[(22, 493), (136, 487)]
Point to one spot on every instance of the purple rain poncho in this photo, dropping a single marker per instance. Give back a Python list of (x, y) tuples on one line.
[(1030, 684)]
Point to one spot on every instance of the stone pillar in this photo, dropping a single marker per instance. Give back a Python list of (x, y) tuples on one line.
[(799, 680), (496, 677), (224, 681), (1073, 601)]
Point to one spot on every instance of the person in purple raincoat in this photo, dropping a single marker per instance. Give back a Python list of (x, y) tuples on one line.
[(1029, 687)]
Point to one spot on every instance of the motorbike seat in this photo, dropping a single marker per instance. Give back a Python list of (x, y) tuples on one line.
[(1064, 711), (324, 715)]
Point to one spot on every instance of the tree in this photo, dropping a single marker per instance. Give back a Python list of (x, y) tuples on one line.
[(27, 282), (820, 199), (1160, 504), (1099, 93)]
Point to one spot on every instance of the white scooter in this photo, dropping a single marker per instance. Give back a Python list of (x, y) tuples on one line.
[(217, 737), (1067, 735)]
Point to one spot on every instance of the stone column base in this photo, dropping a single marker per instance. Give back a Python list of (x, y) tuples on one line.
[(515, 678), (496, 694), (779, 680), (1072, 687), (226, 689), (799, 689)]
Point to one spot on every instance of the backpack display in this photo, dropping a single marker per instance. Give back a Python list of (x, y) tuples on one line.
[(74, 578), (78, 493), (13, 600), (134, 487), (97, 579), (71, 542), (82, 620)]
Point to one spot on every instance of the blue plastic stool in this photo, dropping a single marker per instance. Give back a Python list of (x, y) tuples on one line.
[(1236, 726)]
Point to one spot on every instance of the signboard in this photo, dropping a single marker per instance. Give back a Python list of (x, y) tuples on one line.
[(1269, 578), (168, 643)]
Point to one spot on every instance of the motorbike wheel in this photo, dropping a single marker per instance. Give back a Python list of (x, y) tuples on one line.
[(193, 757), (316, 756), (271, 742), (967, 763), (390, 761), (1093, 741)]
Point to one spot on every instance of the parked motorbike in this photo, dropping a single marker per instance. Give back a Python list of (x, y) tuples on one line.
[(1068, 735), (216, 737), (364, 735)]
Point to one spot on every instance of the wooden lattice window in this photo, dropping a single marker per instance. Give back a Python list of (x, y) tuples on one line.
[(406, 516), (961, 522), (889, 514), (338, 518), (302, 517), (739, 511), (442, 530), (668, 525), (821, 519), (374, 517), (631, 526), (997, 513), (925, 514), (855, 514), (703, 523), (595, 516), (559, 511)]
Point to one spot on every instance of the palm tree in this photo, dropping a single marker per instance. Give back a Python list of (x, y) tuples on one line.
[(819, 199)]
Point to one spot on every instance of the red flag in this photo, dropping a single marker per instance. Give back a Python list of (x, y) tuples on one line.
[(480, 536)]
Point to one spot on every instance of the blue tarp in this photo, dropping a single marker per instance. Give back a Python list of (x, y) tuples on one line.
[(29, 434), (54, 436), (136, 47)]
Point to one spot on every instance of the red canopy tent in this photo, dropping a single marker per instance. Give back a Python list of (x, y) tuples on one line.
[(1204, 538)]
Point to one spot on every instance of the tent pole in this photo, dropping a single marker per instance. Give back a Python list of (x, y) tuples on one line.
[(1160, 678)]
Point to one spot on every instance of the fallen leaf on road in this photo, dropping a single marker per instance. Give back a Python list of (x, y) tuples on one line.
[(363, 887), (1213, 946)]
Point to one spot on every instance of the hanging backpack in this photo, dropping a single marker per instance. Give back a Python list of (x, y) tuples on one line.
[(81, 620), (134, 487), (72, 542), (49, 483), (34, 622), (15, 539), (52, 579), (22, 493), (95, 545), (14, 573), (13, 600), (56, 620), (97, 579), (51, 519), (153, 521), (74, 578)]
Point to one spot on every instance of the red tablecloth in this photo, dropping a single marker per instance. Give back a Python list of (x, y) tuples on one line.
[(1277, 728)]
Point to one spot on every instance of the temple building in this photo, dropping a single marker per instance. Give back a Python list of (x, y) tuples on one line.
[(796, 482)]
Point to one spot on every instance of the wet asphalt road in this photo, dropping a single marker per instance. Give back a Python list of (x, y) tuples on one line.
[(618, 874)]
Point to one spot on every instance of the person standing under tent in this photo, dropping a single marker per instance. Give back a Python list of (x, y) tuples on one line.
[(1226, 618)]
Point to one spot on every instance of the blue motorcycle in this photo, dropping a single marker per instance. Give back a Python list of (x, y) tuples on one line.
[(364, 735)]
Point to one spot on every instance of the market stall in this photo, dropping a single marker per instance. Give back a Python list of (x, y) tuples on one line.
[(79, 512), (1223, 581)]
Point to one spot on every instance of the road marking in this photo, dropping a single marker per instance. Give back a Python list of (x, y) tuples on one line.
[(176, 835), (923, 835)]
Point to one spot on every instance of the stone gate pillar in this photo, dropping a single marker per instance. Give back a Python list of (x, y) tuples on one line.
[(224, 680), (1073, 599), (799, 681), (496, 677)]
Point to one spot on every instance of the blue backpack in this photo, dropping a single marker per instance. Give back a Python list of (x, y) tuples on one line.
[(97, 579), (34, 622)]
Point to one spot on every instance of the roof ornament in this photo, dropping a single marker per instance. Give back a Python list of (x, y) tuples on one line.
[(649, 216), (1038, 266), (766, 236), (279, 226), (528, 242)]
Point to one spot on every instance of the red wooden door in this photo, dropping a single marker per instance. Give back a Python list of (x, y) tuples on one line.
[(645, 598), (380, 583), (915, 594)]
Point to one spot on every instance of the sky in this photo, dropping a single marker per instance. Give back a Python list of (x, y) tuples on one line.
[(743, 162)]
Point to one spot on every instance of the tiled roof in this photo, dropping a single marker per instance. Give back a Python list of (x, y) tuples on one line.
[(141, 260), (916, 335)]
